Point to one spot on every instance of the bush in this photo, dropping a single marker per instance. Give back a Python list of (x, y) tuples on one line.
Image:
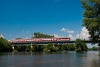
[(80, 45), (49, 47), (21, 48), (5, 46)]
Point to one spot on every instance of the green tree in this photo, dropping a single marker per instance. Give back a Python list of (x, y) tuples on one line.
[(71, 47), (95, 48), (80, 45), (34, 47), (41, 35), (91, 19), (50, 47), (5, 46), (21, 48), (28, 48), (67, 47)]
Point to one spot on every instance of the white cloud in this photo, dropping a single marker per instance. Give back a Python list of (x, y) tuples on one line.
[(63, 29), (77, 36), (67, 30), (71, 37), (1, 36), (25, 31), (84, 34), (56, 35)]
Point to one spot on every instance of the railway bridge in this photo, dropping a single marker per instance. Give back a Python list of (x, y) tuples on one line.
[(42, 41)]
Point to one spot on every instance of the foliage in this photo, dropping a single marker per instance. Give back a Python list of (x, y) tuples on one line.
[(21, 48), (60, 47), (36, 48), (67, 47), (41, 35), (50, 47), (5, 46), (80, 45), (71, 47), (91, 18), (46, 48), (17, 38), (94, 48), (28, 48)]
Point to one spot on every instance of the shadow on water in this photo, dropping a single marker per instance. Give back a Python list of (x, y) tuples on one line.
[(49, 59), (34, 53)]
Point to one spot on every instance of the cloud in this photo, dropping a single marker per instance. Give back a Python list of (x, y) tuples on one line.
[(56, 35), (67, 30), (25, 31), (1, 36), (71, 37), (84, 34)]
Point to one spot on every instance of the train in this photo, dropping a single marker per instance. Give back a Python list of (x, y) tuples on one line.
[(39, 40)]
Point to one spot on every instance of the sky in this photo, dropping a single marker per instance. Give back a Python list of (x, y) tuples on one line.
[(21, 18)]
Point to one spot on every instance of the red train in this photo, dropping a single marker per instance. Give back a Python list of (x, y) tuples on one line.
[(40, 40)]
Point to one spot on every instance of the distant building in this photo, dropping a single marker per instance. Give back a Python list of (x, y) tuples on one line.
[(1, 36)]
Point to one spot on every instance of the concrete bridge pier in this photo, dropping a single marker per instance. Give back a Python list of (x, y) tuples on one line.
[(53, 45), (31, 47), (13, 47)]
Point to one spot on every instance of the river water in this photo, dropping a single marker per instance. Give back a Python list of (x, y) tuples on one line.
[(58, 59)]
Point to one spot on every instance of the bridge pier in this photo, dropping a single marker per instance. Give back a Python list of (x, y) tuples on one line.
[(31, 47), (13, 47), (53, 45)]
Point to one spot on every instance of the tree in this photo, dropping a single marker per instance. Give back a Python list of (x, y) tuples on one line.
[(49, 47), (21, 48), (5, 46), (95, 48), (41, 35), (80, 45), (34, 48), (91, 19)]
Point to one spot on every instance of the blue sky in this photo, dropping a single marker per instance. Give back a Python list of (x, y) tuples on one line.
[(21, 18)]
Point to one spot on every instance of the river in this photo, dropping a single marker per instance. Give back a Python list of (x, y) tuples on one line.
[(57, 59)]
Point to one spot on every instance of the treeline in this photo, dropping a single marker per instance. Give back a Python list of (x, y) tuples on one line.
[(45, 48), (94, 48), (53, 48), (41, 35)]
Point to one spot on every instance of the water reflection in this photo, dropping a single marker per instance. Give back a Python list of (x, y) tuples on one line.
[(56, 59)]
